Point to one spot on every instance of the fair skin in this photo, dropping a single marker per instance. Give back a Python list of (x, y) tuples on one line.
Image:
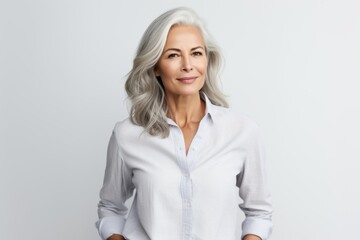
[(116, 237), (182, 69), (247, 237), (251, 237)]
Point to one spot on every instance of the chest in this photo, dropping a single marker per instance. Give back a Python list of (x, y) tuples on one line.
[(211, 161)]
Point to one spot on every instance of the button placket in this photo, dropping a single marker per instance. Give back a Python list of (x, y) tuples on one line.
[(185, 182), (186, 163)]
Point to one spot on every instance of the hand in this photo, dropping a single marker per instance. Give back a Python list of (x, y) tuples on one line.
[(251, 237), (116, 237)]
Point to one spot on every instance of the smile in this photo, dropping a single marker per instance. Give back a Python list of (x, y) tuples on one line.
[(187, 79)]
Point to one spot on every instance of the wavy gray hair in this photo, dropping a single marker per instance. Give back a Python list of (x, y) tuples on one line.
[(146, 92)]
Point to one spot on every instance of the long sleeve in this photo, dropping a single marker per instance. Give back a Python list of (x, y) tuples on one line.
[(117, 188), (253, 188)]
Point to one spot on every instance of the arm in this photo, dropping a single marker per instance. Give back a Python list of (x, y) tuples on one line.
[(251, 237), (254, 190), (116, 189), (116, 237)]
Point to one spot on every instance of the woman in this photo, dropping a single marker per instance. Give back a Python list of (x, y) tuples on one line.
[(188, 156)]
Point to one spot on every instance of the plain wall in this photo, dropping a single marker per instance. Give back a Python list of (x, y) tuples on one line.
[(293, 66)]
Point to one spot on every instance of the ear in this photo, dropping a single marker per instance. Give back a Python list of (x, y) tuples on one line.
[(156, 72)]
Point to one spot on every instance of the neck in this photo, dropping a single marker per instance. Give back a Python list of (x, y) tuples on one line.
[(185, 110)]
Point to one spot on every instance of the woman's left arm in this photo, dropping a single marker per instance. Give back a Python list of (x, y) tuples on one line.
[(251, 237), (254, 190)]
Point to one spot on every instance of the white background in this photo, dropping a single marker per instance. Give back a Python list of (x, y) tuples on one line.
[(293, 66)]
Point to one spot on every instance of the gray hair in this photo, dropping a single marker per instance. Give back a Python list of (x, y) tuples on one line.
[(146, 92)]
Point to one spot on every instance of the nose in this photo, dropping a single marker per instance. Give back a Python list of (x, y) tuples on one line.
[(186, 64)]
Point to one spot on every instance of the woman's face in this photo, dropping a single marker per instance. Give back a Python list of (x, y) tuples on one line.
[(183, 63)]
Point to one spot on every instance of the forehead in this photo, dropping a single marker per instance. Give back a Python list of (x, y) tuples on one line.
[(184, 36)]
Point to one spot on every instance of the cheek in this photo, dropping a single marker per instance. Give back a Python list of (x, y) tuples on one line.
[(169, 70), (203, 67)]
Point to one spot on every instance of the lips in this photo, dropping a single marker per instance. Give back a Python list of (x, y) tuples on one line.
[(186, 79)]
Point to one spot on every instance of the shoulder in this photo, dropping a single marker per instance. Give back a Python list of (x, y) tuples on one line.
[(242, 127), (236, 128), (124, 124), (234, 119), (126, 130)]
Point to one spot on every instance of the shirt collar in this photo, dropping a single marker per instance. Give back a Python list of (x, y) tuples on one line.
[(209, 109)]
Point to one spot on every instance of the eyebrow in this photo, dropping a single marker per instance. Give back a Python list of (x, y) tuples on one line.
[(178, 50)]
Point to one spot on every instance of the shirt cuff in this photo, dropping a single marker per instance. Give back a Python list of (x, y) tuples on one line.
[(110, 225), (257, 226)]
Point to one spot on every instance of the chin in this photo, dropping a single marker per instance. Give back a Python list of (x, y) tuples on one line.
[(189, 91), (184, 89)]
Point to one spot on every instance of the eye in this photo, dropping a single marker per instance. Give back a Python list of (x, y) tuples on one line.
[(173, 55), (197, 53)]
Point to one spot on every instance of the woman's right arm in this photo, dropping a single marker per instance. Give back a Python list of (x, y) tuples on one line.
[(116, 237), (117, 188)]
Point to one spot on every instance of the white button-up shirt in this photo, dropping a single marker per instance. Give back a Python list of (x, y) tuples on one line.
[(179, 196)]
